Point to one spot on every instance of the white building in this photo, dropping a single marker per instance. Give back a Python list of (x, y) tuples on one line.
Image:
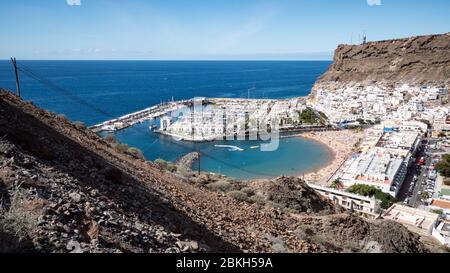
[(366, 206), (415, 219), (383, 162)]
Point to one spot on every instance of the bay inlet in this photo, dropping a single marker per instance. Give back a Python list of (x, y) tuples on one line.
[(122, 87)]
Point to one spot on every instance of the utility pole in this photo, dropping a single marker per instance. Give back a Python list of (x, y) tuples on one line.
[(14, 62), (199, 159)]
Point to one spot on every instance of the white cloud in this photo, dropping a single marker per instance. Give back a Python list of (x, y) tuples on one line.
[(73, 2), (374, 2)]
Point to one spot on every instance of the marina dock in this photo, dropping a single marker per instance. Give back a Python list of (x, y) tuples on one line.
[(218, 117), (150, 113)]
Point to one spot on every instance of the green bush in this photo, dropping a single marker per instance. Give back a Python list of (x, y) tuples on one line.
[(308, 116), (386, 199), (365, 190), (443, 167), (438, 211)]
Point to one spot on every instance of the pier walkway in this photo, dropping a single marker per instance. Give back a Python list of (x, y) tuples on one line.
[(164, 109), (140, 116)]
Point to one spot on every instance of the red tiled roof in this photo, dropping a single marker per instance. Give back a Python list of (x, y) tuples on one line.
[(441, 204)]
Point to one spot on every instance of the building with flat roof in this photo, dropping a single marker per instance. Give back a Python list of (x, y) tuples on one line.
[(383, 162), (376, 168), (441, 204), (417, 220), (368, 207), (441, 232)]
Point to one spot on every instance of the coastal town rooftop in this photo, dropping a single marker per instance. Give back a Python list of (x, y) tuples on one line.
[(440, 203), (417, 219), (375, 167)]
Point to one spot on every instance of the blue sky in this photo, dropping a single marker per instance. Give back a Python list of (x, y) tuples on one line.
[(207, 29)]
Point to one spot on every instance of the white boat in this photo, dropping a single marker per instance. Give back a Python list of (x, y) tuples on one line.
[(230, 147)]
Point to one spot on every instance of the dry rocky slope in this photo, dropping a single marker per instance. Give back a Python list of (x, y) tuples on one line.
[(416, 61), (63, 188)]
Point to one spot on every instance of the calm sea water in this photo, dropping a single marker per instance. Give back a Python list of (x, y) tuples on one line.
[(121, 87)]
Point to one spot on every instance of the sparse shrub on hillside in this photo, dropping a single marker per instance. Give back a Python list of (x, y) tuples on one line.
[(275, 205), (185, 173), (239, 196), (135, 152), (258, 199), (79, 125), (248, 191), (110, 138), (222, 186), (161, 163), (62, 117), (290, 210), (172, 167), (5, 147), (123, 148), (278, 245), (16, 223)]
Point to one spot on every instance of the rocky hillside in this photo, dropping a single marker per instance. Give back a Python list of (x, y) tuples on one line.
[(416, 61), (65, 189), (294, 194)]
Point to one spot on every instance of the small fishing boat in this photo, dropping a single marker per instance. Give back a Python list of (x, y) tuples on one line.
[(254, 147), (230, 147)]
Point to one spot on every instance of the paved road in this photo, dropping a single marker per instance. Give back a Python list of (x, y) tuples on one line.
[(421, 173), (421, 184), (414, 170)]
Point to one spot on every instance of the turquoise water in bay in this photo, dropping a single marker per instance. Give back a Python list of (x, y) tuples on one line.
[(116, 88)]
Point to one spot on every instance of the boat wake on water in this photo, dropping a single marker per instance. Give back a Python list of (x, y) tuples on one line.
[(230, 148)]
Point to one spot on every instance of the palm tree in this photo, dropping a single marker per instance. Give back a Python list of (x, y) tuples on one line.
[(337, 184)]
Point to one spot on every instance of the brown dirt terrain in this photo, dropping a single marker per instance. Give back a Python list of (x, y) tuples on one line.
[(66, 189), (293, 193)]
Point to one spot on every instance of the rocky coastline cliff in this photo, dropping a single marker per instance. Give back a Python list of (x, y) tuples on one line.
[(416, 61)]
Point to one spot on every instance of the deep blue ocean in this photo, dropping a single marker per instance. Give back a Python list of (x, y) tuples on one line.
[(120, 87)]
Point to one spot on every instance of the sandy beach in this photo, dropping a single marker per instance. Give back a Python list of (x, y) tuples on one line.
[(341, 145)]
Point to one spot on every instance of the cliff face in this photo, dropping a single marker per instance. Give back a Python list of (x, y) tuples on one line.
[(414, 61)]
